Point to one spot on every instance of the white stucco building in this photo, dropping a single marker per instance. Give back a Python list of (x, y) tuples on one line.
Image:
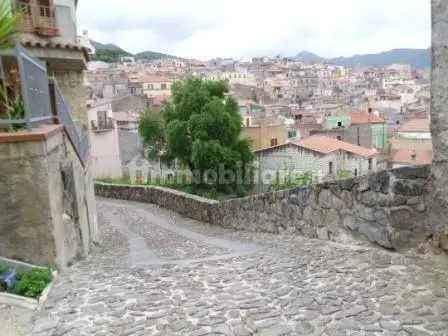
[(242, 78), (103, 135), (322, 156)]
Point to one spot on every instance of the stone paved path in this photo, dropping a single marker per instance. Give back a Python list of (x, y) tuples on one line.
[(157, 273), (14, 321)]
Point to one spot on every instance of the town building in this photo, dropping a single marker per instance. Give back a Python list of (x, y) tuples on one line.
[(264, 132), (49, 32), (48, 210), (325, 158), (104, 139), (156, 86), (412, 144)]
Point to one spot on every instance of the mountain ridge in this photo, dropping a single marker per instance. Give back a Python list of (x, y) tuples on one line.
[(109, 52), (419, 58)]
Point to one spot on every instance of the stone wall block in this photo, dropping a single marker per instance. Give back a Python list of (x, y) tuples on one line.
[(409, 187), (412, 173), (365, 213), (382, 208), (325, 199), (401, 217), (413, 201), (368, 198), (376, 233), (397, 200), (347, 198), (379, 182)]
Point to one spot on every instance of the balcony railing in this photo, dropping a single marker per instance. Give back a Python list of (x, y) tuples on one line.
[(39, 99), (38, 19), (78, 137), (102, 125), (30, 79)]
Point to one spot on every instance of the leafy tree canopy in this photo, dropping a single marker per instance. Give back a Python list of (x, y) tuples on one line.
[(203, 127), (151, 130), (8, 25)]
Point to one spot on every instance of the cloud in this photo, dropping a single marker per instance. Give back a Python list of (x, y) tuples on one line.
[(244, 28)]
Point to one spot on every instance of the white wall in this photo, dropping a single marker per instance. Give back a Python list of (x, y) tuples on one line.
[(105, 146), (300, 160), (415, 135)]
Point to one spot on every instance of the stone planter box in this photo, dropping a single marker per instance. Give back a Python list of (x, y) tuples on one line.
[(21, 301)]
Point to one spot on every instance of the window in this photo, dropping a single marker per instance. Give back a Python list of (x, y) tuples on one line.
[(339, 123), (330, 168), (356, 172), (247, 122), (274, 142), (370, 164), (101, 116), (163, 86), (44, 8), (339, 138)]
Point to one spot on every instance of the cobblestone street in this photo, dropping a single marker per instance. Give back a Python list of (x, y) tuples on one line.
[(157, 273)]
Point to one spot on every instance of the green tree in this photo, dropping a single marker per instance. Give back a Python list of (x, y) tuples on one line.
[(8, 25), (151, 130), (203, 128)]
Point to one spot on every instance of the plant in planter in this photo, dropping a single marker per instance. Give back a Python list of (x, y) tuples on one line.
[(32, 283)]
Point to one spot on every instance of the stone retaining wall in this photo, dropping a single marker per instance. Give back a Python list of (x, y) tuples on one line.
[(47, 207), (387, 208), (191, 206)]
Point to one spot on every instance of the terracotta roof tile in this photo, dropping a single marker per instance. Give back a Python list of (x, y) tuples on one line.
[(416, 125), (411, 156), (358, 118), (154, 79), (326, 145)]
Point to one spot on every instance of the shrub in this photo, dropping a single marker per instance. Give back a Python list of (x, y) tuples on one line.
[(3, 268), (32, 283)]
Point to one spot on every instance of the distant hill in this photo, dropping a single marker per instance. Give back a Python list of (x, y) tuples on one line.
[(306, 56), (108, 52), (419, 58), (152, 55), (112, 53)]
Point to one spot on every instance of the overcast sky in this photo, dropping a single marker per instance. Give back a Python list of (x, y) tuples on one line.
[(244, 28)]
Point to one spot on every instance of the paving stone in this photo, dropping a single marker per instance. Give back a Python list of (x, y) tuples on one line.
[(157, 273)]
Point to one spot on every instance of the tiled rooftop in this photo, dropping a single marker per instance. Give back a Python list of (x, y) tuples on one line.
[(416, 125), (326, 145)]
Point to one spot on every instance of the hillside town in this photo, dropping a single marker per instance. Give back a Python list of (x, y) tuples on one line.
[(159, 195), (358, 120)]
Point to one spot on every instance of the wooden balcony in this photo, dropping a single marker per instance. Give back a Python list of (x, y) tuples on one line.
[(37, 19)]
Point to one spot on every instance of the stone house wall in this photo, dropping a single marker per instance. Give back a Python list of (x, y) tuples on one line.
[(72, 88), (387, 208), (48, 212)]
